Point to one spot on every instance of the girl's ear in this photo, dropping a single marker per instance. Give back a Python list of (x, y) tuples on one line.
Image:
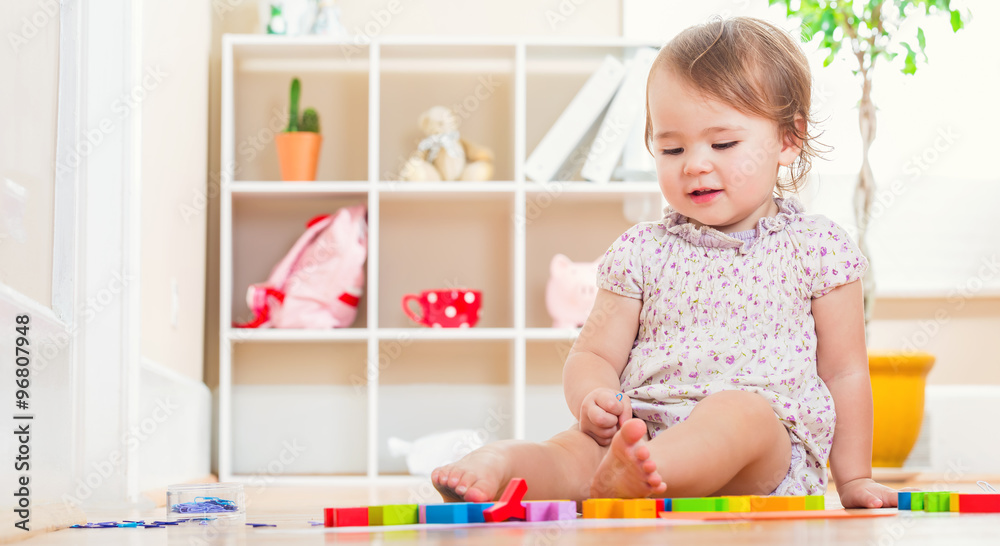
[(791, 146)]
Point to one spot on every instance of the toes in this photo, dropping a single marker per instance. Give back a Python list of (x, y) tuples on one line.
[(633, 430), (466, 481), (649, 466)]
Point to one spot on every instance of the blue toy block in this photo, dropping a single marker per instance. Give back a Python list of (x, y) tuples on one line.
[(903, 498), (457, 512), (476, 511)]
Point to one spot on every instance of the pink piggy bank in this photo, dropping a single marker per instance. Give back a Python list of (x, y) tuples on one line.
[(571, 291)]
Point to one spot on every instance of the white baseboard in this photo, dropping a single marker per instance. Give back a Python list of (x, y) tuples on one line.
[(174, 433), (961, 435)]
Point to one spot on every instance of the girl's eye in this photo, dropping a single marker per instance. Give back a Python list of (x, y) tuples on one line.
[(725, 145), (672, 151)]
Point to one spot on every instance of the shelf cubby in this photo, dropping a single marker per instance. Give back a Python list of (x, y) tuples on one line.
[(475, 82), (334, 81), (428, 387), (452, 241), (308, 398), (265, 226)]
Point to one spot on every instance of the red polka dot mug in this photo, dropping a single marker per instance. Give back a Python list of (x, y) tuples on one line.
[(446, 308)]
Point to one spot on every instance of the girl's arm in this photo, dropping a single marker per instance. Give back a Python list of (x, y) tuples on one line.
[(842, 363), (595, 363)]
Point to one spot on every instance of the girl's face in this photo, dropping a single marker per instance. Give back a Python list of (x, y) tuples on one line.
[(715, 164)]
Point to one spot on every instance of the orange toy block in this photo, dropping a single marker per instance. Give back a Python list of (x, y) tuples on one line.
[(777, 504), (639, 509), (604, 508)]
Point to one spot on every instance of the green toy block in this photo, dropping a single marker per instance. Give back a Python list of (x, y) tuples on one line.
[(394, 514), (917, 500), (815, 502), (704, 504), (937, 501)]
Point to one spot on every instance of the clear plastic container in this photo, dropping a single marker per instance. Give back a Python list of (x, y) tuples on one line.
[(205, 500)]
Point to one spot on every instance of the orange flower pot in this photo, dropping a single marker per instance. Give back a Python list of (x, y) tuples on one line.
[(898, 385), (298, 155)]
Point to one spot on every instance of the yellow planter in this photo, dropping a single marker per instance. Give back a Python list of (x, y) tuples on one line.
[(898, 383)]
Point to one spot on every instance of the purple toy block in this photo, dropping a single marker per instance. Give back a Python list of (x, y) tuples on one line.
[(550, 510), (422, 513)]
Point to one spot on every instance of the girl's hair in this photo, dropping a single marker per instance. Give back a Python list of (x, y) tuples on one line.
[(753, 66)]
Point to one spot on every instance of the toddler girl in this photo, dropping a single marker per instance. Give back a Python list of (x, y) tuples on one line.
[(725, 354)]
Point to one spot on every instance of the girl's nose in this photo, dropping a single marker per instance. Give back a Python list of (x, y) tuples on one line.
[(697, 163)]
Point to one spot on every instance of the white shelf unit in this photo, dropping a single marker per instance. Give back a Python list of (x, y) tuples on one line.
[(498, 236)]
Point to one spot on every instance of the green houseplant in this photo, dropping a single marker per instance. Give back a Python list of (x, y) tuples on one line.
[(873, 30), (299, 145)]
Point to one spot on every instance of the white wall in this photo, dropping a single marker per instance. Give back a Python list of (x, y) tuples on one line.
[(175, 48), (29, 61)]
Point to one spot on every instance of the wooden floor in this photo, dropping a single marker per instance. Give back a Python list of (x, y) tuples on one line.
[(292, 508)]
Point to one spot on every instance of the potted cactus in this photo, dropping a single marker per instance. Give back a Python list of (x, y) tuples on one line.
[(298, 146)]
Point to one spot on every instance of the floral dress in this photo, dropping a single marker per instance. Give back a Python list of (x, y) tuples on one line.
[(719, 314)]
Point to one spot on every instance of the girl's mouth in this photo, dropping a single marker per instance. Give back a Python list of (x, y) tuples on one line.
[(704, 196)]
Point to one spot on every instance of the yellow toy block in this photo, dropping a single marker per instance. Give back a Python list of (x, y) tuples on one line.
[(639, 509), (953, 503), (604, 508), (777, 504), (739, 504)]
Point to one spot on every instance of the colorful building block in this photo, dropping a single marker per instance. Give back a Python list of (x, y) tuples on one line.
[(979, 503), (345, 517), (476, 511), (639, 509), (509, 506), (953, 502), (394, 514), (662, 505), (904, 500), (705, 504), (550, 510), (937, 501), (603, 509), (739, 504), (777, 503), (815, 502), (457, 512)]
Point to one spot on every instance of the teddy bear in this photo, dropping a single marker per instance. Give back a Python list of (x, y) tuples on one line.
[(443, 154)]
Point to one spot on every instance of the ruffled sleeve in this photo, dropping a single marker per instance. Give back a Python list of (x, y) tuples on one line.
[(621, 270), (831, 257)]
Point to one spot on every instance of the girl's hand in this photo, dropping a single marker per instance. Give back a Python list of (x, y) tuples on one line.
[(602, 413), (866, 493)]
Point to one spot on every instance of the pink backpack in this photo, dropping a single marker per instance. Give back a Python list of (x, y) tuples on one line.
[(319, 283)]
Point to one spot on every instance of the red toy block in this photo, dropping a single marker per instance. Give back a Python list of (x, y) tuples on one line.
[(345, 517), (509, 506), (981, 503), (660, 506)]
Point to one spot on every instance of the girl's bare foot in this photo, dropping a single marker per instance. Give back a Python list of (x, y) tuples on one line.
[(627, 472), (477, 477)]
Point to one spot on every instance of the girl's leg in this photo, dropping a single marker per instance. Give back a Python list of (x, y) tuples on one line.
[(560, 468), (731, 444)]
